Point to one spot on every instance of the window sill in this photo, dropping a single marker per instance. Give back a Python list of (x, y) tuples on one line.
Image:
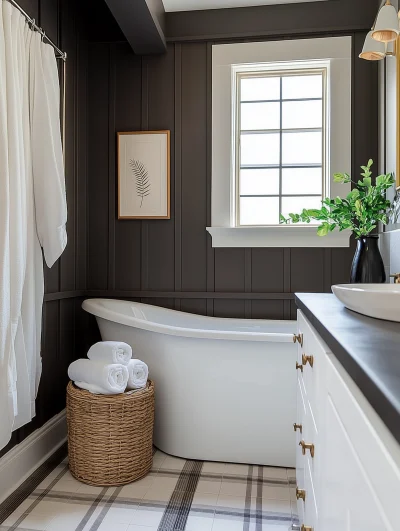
[(280, 236)]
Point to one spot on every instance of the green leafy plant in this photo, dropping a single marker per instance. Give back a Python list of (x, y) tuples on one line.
[(361, 211)]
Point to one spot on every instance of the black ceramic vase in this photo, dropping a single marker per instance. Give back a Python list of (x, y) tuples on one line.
[(368, 267)]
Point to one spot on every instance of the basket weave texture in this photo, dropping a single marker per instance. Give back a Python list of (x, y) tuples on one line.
[(110, 438)]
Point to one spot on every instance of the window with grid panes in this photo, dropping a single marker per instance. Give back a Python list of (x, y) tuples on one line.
[(280, 144)]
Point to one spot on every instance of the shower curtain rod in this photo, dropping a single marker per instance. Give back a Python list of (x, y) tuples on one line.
[(61, 55)]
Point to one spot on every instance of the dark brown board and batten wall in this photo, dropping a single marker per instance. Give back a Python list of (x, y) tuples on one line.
[(172, 262)]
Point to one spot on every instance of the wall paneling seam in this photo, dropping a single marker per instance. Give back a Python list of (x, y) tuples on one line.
[(248, 255), (76, 170), (178, 170), (270, 35), (286, 281), (111, 167), (210, 249), (353, 107), (76, 151), (144, 223), (129, 294), (62, 117), (327, 269), (384, 114)]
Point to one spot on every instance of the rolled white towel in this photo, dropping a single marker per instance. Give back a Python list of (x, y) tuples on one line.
[(110, 352), (99, 378), (138, 374)]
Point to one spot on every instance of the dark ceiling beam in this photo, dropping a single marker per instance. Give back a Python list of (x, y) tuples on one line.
[(272, 21), (142, 22)]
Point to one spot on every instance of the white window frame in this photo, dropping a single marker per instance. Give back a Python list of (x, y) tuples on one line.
[(277, 70), (228, 59)]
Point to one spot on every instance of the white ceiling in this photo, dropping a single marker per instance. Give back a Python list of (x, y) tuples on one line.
[(194, 5)]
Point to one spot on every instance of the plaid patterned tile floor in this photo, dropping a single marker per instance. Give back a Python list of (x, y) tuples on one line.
[(176, 495)]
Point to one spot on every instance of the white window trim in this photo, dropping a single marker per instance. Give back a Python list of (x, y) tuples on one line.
[(323, 67), (225, 58)]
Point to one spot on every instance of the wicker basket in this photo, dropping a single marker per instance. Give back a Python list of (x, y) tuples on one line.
[(110, 438)]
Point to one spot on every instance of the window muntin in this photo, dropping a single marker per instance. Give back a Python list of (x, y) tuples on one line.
[(280, 143)]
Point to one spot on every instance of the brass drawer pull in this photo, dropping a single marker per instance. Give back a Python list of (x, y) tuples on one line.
[(307, 446), (307, 359), (299, 367), (298, 427), (306, 528), (298, 338), (300, 494)]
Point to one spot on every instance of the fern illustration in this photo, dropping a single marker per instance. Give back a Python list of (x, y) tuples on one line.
[(143, 184)]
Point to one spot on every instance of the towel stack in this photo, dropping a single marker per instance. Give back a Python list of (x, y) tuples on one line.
[(110, 370)]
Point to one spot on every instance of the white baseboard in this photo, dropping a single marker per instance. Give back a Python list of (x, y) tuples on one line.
[(22, 460)]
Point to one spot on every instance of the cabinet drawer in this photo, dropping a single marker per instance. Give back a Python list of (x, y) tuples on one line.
[(313, 376), (310, 506), (311, 461), (307, 467), (306, 509), (301, 419)]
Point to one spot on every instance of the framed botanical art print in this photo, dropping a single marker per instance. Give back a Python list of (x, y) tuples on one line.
[(144, 183)]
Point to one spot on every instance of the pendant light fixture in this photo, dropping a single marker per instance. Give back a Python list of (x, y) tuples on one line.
[(373, 50), (387, 24), (384, 33)]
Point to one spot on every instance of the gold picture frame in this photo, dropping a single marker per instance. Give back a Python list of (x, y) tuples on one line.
[(144, 174)]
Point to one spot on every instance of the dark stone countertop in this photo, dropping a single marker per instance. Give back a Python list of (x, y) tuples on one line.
[(369, 350)]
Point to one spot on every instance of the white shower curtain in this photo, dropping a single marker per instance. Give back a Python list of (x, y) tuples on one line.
[(33, 209)]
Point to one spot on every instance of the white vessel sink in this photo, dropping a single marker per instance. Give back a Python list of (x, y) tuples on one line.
[(381, 301)]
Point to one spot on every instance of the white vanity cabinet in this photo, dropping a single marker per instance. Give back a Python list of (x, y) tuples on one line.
[(352, 480)]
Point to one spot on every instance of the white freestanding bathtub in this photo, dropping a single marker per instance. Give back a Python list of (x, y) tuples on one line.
[(225, 388)]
